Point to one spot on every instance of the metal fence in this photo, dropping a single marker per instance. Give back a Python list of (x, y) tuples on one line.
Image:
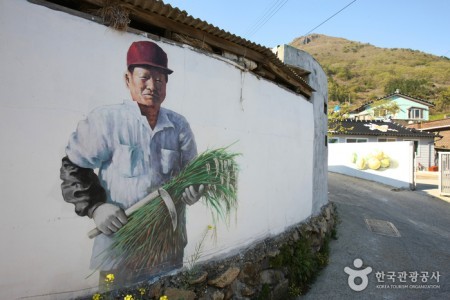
[(444, 173)]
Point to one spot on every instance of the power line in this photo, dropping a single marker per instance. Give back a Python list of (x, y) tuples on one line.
[(329, 18), (270, 12)]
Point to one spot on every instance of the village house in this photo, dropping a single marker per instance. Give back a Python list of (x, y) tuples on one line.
[(439, 127), (410, 109), (363, 131)]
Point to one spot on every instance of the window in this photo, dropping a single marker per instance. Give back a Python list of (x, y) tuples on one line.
[(415, 113), (333, 140), (387, 139), (416, 147), (355, 140)]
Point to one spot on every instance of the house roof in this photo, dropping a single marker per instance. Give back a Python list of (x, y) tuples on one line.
[(432, 125), (418, 100), (163, 20), (380, 128)]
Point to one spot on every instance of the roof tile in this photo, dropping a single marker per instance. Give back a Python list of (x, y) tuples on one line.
[(381, 128)]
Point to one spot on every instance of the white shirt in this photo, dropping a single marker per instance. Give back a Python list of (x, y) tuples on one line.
[(132, 159)]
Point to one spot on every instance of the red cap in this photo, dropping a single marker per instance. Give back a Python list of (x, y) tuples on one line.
[(147, 53)]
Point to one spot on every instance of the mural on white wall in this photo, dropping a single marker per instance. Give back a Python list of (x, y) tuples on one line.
[(382, 128), (222, 102), (373, 160), (389, 163), (133, 167)]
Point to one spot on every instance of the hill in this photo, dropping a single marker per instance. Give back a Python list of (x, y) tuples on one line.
[(359, 72)]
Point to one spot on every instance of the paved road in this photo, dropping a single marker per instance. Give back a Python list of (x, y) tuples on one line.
[(428, 182), (423, 223)]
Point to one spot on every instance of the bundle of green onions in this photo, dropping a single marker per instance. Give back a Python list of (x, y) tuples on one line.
[(148, 239)]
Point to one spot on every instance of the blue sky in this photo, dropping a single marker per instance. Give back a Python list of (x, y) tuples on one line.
[(415, 24)]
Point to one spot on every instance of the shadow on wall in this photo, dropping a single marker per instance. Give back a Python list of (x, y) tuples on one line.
[(371, 176)]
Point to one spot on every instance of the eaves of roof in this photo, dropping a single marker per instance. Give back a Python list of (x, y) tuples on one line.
[(361, 127), (418, 100), (417, 134), (435, 128), (179, 26), (431, 125)]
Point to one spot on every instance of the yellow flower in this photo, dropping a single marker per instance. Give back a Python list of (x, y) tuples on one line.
[(109, 277), (128, 297), (210, 227), (142, 291), (164, 298), (97, 297)]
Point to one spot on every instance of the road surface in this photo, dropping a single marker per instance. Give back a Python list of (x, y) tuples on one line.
[(395, 234)]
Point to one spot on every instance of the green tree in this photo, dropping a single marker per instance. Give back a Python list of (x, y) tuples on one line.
[(413, 87), (335, 119), (384, 108), (442, 101), (339, 93)]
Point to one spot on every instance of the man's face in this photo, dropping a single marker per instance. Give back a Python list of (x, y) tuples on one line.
[(147, 86)]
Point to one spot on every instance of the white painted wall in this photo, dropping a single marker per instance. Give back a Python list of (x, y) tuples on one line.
[(400, 173), (318, 80), (425, 155), (57, 68)]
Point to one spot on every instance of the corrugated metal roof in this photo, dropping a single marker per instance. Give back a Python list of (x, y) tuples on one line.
[(183, 17), (150, 10)]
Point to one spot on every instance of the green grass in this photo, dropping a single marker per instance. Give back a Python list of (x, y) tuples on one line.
[(303, 264), (439, 116)]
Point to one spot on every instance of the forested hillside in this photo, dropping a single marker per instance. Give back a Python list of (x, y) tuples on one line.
[(361, 72)]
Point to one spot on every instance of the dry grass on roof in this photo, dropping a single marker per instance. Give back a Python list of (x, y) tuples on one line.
[(114, 14)]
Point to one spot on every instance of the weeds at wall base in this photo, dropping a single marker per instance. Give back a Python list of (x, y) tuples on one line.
[(302, 264)]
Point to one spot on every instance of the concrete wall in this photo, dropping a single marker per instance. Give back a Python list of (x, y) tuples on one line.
[(57, 68), (425, 155), (353, 159), (317, 79)]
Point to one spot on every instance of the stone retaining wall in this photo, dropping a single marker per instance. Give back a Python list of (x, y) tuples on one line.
[(252, 273)]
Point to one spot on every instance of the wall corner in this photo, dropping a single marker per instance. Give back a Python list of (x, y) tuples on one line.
[(317, 79)]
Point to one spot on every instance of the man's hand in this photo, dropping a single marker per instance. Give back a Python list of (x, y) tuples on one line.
[(190, 195), (109, 218)]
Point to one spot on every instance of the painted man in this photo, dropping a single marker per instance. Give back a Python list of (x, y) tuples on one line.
[(136, 146)]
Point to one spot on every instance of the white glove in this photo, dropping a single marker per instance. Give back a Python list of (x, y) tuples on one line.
[(109, 218), (190, 195)]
